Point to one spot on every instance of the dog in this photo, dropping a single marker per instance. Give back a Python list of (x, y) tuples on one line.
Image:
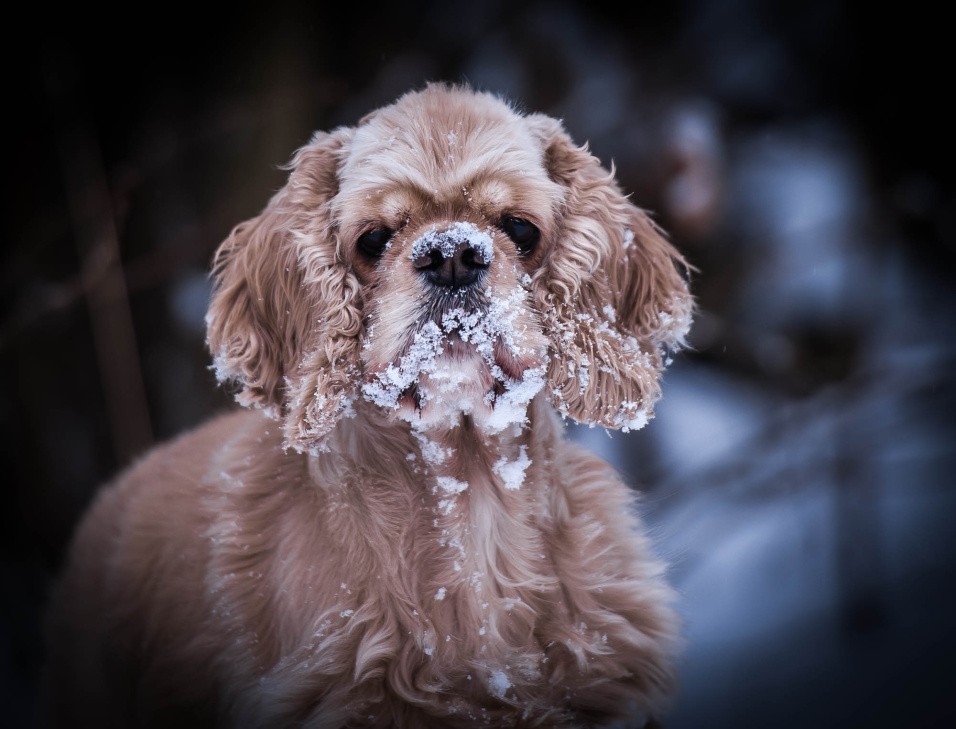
[(395, 531)]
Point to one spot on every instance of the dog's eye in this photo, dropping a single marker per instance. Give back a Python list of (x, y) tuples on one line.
[(524, 234), (373, 242)]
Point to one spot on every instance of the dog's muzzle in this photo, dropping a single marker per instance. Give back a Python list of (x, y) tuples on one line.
[(454, 258)]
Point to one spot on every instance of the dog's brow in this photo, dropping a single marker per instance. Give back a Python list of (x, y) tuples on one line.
[(405, 190), (484, 188), (407, 195), (399, 201), (488, 190)]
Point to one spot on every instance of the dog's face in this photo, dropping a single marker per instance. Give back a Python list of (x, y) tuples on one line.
[(446, 256)]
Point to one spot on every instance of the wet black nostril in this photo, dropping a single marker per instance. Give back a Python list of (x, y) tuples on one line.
[(460, 269), (460, 276), (470, 260)]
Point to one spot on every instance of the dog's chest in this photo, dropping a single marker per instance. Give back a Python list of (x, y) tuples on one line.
[(446, 618), (468, 652)]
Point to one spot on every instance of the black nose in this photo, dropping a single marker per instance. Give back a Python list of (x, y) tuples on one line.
[(462, 268)]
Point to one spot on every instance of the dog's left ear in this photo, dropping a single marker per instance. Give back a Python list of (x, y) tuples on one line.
[(613, 292), (285, 318)]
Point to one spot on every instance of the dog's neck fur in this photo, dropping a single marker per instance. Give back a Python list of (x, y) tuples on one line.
[(465, 483), (462, 536)]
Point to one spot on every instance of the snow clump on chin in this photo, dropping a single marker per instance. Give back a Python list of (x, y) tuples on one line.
[(452, 384)]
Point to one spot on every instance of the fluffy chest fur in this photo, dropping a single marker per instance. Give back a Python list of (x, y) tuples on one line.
[(448, 589)]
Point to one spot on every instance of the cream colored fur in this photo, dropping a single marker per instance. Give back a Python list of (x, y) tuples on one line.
[(353, 558)]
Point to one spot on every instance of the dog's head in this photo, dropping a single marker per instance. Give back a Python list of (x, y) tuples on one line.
[(447, 255)]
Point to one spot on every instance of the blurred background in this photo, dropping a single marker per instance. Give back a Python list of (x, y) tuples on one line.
[(799, 474)]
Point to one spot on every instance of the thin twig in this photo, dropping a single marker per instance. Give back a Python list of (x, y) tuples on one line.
[(104, 284)]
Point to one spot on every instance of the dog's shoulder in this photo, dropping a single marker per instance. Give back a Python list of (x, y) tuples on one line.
[(169, 484), (189, 456)]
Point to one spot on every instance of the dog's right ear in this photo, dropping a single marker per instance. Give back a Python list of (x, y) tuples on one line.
[(612, 297), (285, 317)]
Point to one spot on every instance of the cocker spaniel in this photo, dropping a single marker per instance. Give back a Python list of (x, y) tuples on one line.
[(398, 533)]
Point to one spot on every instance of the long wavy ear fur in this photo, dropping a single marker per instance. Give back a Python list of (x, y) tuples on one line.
[(611, 292), (284, 321)]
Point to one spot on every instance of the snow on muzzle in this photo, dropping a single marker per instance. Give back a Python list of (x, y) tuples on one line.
[(455, 257)]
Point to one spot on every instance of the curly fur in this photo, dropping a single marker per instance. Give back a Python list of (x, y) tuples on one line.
[(437, 555)]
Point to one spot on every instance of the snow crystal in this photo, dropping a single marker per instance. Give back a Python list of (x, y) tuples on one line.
[(511, 473), (428, 651), (386, 387), (499, 683), (675, 324), (447, 241), (584, 375), (511, 406), (432, 451), (481, 630), (451, 485), (346, 613), (440, 595), (445, 506), (631, 417), (628, 239), (636, 423)]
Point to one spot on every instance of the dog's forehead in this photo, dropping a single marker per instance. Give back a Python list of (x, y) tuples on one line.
[(436, 143)]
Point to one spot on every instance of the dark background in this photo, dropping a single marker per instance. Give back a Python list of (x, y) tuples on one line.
[(799, 475)]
